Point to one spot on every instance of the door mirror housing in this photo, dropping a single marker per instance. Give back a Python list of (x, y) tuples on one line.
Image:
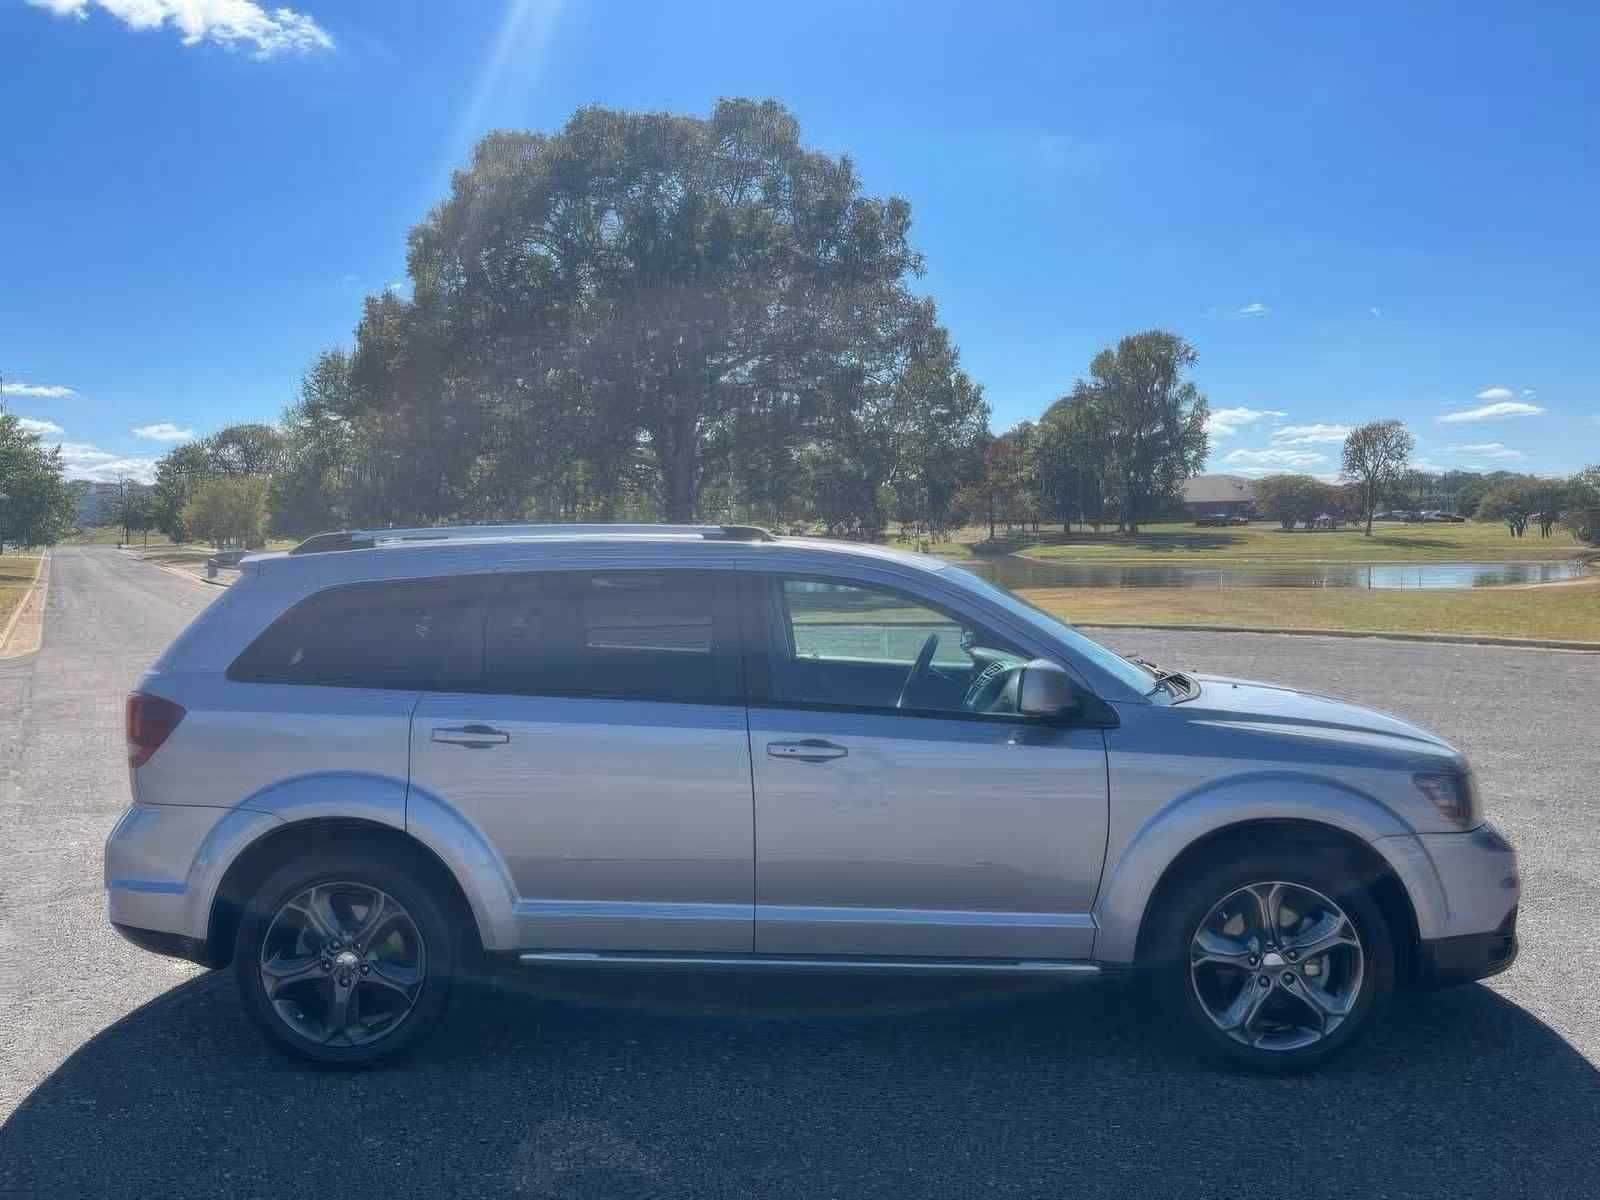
[(1046, 690)]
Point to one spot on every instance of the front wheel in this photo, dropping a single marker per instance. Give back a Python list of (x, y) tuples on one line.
[(1276, 964), (345, 959)]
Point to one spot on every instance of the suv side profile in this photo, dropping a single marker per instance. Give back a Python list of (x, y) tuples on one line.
[(381, 755)]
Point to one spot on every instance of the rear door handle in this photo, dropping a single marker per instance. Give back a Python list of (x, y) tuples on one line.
[(473, 737), (807, 750)]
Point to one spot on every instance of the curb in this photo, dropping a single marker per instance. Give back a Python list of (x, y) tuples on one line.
[(27, 598), (1449, 639), (192, 578)]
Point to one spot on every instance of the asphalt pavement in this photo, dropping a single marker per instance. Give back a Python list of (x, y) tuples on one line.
[(123, 1074)]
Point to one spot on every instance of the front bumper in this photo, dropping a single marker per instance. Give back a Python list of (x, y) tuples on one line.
[(1451, 960)]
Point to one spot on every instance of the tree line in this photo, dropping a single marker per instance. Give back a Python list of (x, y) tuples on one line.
[(645, 316), (656, 317)]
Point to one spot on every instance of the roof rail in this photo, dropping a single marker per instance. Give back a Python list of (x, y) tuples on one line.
[(367, 539)]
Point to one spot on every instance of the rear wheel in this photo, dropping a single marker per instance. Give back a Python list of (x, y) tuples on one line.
[(1276, 961), (345, 959)]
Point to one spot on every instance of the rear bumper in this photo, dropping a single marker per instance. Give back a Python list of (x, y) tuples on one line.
[(163, 864), (1446, 961), (171, 945)]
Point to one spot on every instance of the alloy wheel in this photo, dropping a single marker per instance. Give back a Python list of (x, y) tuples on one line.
[(1276, 965), (343, 964)]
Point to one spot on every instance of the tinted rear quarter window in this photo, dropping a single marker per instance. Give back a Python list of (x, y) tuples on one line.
[(647, 635), (414, 634)]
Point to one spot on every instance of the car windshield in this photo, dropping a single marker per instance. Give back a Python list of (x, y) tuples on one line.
[(1131, 673)]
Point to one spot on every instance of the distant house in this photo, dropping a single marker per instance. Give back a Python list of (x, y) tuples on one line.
[(1219, 495)]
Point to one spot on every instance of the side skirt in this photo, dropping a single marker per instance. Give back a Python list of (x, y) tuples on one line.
[(762, 962)]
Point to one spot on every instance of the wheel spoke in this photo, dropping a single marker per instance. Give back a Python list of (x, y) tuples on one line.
[(1246, 1007), (319, 914), (395, 977), (339, 1015), (278, 973), (382, 912), (1323, 1004), (1330, 932), (1212, 947)]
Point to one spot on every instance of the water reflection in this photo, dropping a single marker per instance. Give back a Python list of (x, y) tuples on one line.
[(1015, 571)]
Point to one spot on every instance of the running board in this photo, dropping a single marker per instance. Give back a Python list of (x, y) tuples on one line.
[(763, 962)]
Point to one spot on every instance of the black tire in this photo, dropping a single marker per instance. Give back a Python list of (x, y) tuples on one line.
[(404, 881), (1321, 869)]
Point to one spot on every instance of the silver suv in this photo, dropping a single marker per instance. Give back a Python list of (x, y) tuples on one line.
[(382, 755)]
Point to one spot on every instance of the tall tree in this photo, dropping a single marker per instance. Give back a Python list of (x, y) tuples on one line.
[(1072, 458), (1582, 515), (178, 472), (36, 507), (1294, 499), (228, 508), (624, 291), (310, 491), (1511, 500), (1375, 457), (1154, 420)]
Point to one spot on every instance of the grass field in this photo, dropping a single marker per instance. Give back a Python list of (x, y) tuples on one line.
[(16, 575), (1265, 543), (1558, 611), (110, 535)]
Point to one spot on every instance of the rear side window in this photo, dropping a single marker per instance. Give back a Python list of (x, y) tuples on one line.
[(643, 635), (412, 635)]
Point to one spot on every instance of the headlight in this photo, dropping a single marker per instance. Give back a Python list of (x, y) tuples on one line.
[(1454, 796)]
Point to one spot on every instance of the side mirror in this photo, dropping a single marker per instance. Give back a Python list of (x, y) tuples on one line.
[(1046, 689)]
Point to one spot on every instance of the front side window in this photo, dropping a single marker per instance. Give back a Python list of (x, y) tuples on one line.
[(866, 646)]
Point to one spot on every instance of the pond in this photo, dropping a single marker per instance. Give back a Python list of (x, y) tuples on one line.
[(1014, 571)]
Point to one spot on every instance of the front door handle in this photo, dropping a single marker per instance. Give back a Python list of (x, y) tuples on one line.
[(473, 737), (807, 750)]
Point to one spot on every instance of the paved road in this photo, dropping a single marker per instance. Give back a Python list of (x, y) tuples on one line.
[(123, 1074)]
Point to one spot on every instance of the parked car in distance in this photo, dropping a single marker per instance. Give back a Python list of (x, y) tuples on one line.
[(385, 754), (1214, 519)]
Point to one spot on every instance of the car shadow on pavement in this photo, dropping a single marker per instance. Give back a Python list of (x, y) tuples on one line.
[(568, 1085)]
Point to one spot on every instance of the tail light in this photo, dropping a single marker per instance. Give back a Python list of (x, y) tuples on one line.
[(151, 721)]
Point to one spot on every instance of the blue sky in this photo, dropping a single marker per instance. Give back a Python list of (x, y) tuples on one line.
[(1363, 212)]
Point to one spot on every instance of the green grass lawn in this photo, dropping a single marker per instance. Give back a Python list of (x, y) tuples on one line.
[(1569, 611), (1265, 543)]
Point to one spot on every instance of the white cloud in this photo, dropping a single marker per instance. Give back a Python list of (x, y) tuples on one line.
[(1309, 435), (36, 391), (1527, 393), (1492, 412), (231, 23), (1484, 450), (162, 431), (1254, 310), (34, 425), (83, 461), (1274, 457), (1225, 422), (1495, 393)]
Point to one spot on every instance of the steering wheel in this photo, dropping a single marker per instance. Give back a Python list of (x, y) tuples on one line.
[(918, 668)]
